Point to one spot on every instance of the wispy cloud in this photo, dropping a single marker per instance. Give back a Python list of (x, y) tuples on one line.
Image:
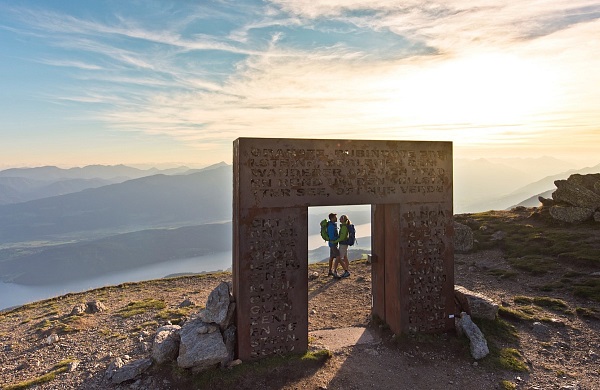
[(70, 64), (470, 71)]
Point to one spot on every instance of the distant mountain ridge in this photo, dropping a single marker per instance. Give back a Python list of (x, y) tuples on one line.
[(24, 184), (147, 202), (107, 172), (20, 189)]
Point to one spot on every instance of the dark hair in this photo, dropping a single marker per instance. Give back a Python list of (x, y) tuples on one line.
[(331, 215)]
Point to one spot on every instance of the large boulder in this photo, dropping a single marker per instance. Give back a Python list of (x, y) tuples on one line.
[(201, 346), (463, 238), (95, 307), (165, 346), (217, 306), (475, 304), (571, 214), (574, 192)]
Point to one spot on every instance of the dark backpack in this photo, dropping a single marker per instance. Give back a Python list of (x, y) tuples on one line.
[(324, 234), (351, 235)]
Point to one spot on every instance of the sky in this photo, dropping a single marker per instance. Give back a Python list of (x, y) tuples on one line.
[(176, 82)]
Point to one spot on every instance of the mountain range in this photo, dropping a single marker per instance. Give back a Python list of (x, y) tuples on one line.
[(87, 221)]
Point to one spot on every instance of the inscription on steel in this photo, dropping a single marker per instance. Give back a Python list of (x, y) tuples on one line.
[(424, 237), (276, 180), (283, 173), (272, 299)]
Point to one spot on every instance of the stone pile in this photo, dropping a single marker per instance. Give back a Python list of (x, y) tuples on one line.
[(576, 199), (203, 342)]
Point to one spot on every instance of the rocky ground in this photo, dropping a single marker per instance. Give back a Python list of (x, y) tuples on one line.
[(558, 346)]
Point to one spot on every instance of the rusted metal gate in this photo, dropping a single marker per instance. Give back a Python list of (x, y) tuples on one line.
[(408, 184)]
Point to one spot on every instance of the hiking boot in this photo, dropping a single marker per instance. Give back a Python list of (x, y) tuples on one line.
[(345, 274), (335, 275), (330, 273)]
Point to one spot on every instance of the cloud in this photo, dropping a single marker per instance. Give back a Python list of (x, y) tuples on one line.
[(455, 25), (70, 64), (473, 72)]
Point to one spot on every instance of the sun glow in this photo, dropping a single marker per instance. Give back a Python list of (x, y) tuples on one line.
[(487, 92)]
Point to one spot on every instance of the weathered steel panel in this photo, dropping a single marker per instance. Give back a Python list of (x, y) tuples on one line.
[(271, 282), (378, 260), (427, 268), (304, 172), (393, 266)]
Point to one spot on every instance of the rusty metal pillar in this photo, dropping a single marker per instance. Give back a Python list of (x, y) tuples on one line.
[(378, 260), (413, 274), (271, 282)]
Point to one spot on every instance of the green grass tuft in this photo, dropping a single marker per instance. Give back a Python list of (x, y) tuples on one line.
[(320, 355), (498, 330), (588, 288), (511, 359), (587, 312), (140, 307), (533, 264), (507, 385), (514, 314), (175, 315), (58, 368)]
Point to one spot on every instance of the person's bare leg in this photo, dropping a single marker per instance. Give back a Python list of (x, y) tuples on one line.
[(347, 263), (336, 263)]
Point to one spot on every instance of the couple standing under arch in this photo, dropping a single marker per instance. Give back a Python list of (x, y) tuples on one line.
[(344, 237)]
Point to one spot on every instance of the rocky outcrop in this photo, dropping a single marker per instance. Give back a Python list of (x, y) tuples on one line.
[(573, 192), (571, 214), (165, 346), (91, 307), (202, 346), (209, 339), (220, 307), (475, 304), (575, 200), (95, 307), (463, 238), (204, 341)]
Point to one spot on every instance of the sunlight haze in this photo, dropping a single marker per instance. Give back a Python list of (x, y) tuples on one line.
[(169, 82)]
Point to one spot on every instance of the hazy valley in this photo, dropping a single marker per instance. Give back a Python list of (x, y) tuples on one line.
[(62, 225)]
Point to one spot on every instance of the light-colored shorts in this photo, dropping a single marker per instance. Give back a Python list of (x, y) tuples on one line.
[(343, 250)]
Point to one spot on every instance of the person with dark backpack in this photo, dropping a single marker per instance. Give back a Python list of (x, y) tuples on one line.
[(329, 232), (346, 238)]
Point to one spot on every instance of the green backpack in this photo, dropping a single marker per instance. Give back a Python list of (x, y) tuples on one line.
[(324, 234)]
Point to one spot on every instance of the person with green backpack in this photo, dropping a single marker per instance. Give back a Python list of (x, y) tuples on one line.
[(346, 237), (329, 232)]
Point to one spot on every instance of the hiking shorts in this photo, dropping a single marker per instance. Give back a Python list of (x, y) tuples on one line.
[(334, 251), (343, 250)]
